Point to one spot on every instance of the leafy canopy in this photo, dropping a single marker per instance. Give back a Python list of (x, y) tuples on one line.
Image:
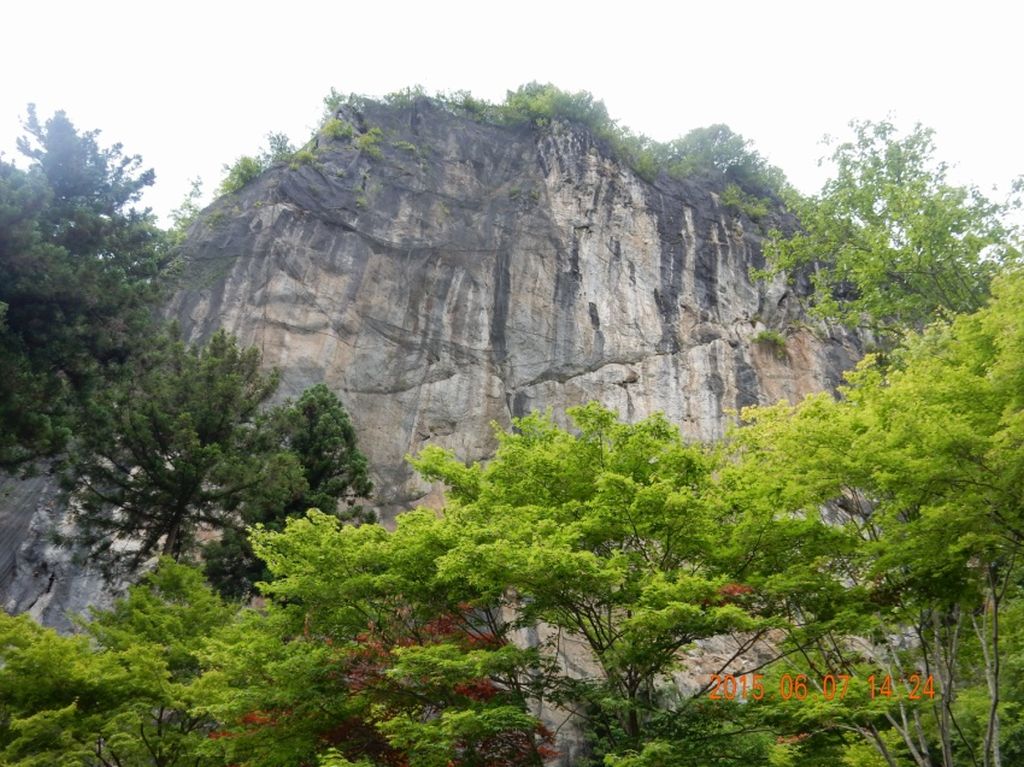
[(892, 243), (121, 693)]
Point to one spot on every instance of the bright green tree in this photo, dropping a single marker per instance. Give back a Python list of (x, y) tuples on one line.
[(362, 648), (394, 646), (889, 241), (923, 458), (616, 539), (118, 695)]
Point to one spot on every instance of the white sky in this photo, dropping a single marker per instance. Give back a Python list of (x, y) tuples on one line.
[(192, 85)]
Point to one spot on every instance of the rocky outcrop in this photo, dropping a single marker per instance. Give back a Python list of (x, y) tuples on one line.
[(441, 275), (39, 575)]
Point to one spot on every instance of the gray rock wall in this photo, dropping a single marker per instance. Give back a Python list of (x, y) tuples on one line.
[(473, 273)]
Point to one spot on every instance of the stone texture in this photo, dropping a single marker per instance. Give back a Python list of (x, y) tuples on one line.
[(473, 273)]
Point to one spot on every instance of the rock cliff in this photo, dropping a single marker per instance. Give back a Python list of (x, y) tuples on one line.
[(441, 274)]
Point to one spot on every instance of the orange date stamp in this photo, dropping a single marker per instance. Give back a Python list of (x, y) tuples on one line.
[(801, 687)]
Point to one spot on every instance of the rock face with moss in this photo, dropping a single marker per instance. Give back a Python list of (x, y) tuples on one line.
[(441, 274)]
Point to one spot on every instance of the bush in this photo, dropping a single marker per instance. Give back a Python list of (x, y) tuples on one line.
[(772, 339), (369, 142), (245, 169), (337, 129), (300, 158), (739, 201)]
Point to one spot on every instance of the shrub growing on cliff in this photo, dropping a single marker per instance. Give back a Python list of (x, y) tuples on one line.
[(241, 172), (248, 168), (773, 340)]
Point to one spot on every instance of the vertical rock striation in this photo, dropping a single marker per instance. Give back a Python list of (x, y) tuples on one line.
[(453, 274)]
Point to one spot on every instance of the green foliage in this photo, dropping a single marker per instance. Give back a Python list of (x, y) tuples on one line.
[(405, 97), (79, 270), (333, 101), (369, 142), (396, 646), (300, 158), (361, 647), (187, 212), (279, 149), (773, 339), (716, 153), (181, 445), (317, 431), (894, 244), (613, 537), (248, 168), (923, 456), (739, 201), (173, 448), (337, 129), (538, 105), (122, 694), (243, 171)]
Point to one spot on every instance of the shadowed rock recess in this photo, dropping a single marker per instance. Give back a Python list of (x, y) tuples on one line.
[(443, 274)]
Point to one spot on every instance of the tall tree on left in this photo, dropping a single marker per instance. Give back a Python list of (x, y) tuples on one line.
[(79, 268), (177, 446)]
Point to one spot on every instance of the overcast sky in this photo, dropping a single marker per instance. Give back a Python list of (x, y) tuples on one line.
[(192, 85)]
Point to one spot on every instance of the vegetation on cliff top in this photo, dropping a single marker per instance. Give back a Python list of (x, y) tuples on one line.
[(714, 154), (887, 243)]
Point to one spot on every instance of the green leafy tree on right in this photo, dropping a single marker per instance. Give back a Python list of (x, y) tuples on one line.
[(889, 242), (924, 456)]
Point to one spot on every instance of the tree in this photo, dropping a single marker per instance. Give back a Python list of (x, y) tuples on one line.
[(175, 447), (248, 168), (614, 538), (717, 153), (923, 457), (398, 647), (121, 694), (889, 241), (317, 431), (79, 268), (362, 650)]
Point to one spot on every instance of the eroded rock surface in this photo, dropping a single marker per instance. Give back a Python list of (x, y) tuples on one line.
[(472, 273)]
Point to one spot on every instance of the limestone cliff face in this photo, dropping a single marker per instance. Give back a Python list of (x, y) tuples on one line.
[(451, 274)]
